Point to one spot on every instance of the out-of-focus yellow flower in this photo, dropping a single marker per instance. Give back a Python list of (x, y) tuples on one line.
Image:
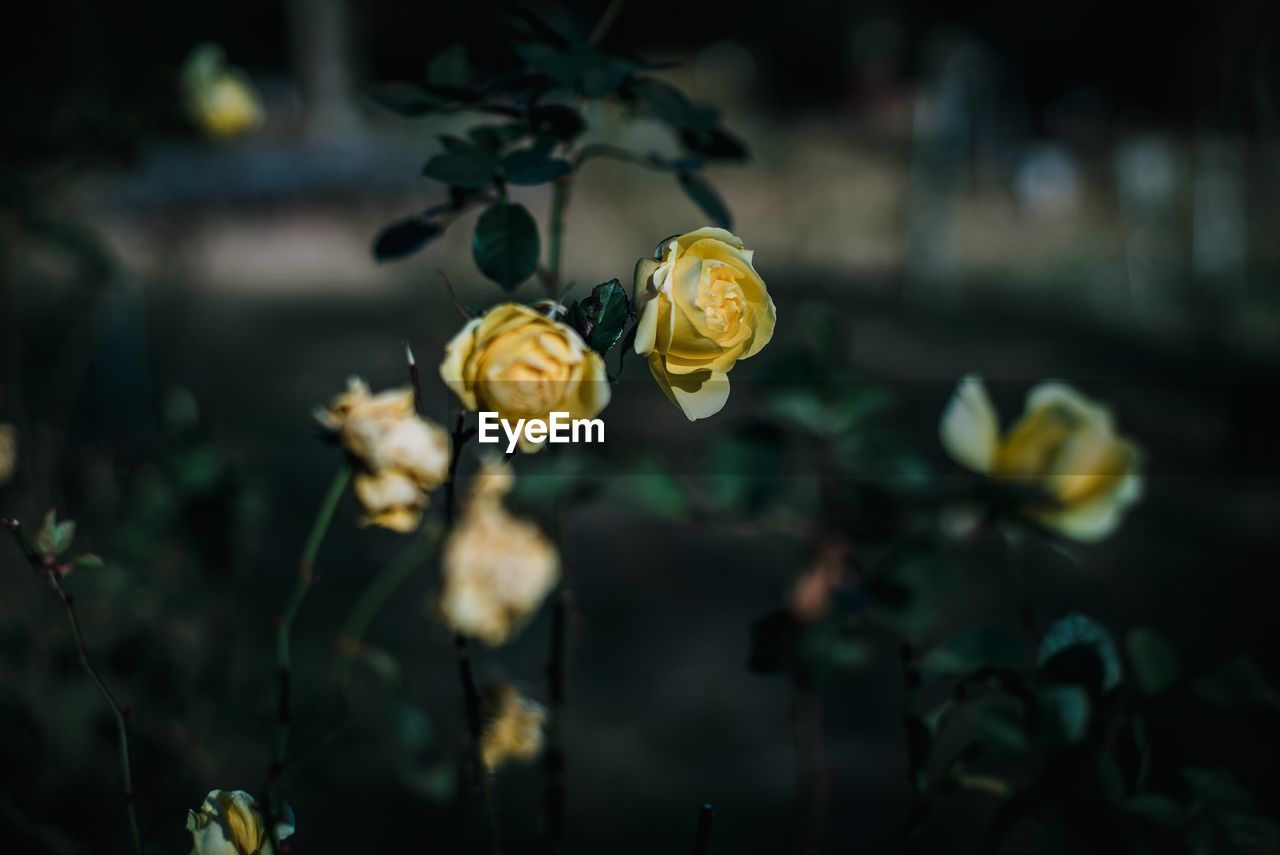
[(230, 823), (402, 456), (521, 364), (497, 568), (8, 451), (513, 729), (220, 98), (1065, 446), (703, 307)]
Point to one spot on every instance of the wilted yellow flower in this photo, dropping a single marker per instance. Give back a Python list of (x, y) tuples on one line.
[(497, 568), (703, 307), (402, 456), (521, 364), (513, 729), (220, 98), (1065, 446), (8, 451), (230, 823)]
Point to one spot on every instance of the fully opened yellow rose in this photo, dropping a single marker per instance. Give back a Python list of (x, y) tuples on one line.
[(704, 307), (230, 823), (521, 364), (1065, 446)]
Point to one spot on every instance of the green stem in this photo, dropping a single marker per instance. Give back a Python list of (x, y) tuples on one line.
[(371, 602), (284, 634), (47, 565), (555, 234), (554, 759)]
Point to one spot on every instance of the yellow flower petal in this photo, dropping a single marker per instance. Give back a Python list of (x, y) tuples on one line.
[(969, 430)]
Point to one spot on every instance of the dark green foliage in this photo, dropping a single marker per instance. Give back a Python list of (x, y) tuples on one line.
[(405, 237), (505, 246), (706, 198), (601, 317)]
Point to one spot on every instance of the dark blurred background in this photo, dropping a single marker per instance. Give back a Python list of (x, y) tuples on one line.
[(1086, 191)]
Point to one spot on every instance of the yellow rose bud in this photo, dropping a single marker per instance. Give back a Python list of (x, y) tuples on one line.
[(1065, 446), (521, 364), (8, 451), (513, 729), (402, 456), (703, 307), (497, 568), (220, 98), (230, 823)]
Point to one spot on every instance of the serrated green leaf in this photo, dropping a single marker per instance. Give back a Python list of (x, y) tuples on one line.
[(505, 246), (1154, 661), (405, 237), (601, 317), (706, 198), (471, 169), (531, 166), (1079, 632)]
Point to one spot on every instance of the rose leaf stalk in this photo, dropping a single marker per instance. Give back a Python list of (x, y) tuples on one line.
[(284, 635), (48, 566)]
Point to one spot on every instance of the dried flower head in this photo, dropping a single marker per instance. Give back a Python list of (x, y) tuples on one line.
[(513, 729), (8, 451), (402, 456), (230, 823), (497, 568)]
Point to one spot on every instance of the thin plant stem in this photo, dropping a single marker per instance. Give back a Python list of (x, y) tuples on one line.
[(702, 837), (47, 565), (284, 636), (555, 234), (462, 649), (602, 26), (557, 674)]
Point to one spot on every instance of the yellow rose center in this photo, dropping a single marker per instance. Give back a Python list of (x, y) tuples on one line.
[(722, 302), (526, 372)]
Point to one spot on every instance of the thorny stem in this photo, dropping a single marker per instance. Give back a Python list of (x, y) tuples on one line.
[(555, 233), (49, 567), (284, 631), (462, 648), (702, 838), (554, 759)]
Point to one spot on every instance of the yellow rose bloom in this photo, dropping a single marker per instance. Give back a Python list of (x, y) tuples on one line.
[(402, 457), (703, 307), (221, 99), (8, 451), (521, 364), (230, 823), (513, 729), (497, 568), (1065, 446)]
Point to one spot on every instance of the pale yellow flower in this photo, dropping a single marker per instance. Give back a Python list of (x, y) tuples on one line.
[(497, 568), (702, 307), (8, 451), (221, 99), (402, 457), (231, 823), (513, 729), (1065, 446), (521, 364)]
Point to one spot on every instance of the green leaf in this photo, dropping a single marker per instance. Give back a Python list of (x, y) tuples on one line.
[(494, 137), (714, 143), (471, 169), (601, 318), (1228, 820), (87, 561), (1154, 661), (506, 247), (405, 237), (973, 648), (55, 538), (1075, 634), (706, 198), (531, 166), (407, 100), (1236, 684), (668, 104)]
